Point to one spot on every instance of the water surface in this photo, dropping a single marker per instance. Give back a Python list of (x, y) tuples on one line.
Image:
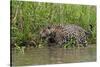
[(37, 56)]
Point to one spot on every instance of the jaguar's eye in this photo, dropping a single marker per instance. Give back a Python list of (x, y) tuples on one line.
[(43, 37)]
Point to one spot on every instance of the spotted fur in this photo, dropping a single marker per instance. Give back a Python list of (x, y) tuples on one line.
[(61, 34)]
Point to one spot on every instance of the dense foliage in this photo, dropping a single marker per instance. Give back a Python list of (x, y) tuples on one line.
[(27, 18)]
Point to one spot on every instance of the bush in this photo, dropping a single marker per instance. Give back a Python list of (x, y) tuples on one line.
[(27, 18)]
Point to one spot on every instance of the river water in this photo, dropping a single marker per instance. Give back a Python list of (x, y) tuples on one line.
[(40, 56)]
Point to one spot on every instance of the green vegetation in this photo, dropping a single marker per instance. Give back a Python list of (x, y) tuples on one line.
[(27, 19)]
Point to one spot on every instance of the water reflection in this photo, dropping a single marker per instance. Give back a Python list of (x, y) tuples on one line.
[(35, 56)]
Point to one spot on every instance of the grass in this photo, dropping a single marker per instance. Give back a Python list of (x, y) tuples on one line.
[(27, 18)]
